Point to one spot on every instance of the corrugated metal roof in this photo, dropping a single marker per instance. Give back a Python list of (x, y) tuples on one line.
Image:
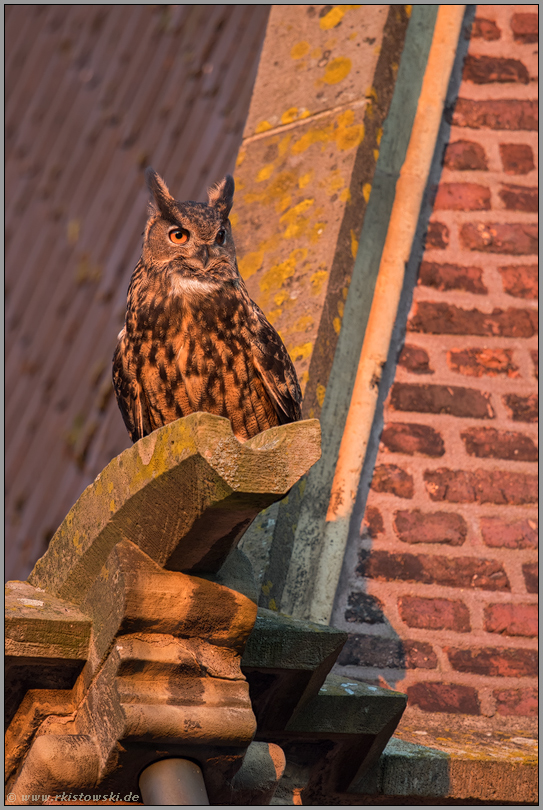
[(94, 93)]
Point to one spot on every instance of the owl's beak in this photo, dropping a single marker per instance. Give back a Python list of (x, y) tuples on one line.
[(203, 255)]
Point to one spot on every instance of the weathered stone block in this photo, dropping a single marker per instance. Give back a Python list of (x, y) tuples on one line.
[(184, 495)]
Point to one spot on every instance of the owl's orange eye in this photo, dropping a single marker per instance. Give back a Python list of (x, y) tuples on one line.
[(179, 236)]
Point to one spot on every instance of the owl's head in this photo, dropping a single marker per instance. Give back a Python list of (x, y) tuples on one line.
[(190, 242)]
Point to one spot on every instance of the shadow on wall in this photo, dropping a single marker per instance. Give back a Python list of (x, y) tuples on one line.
[(374, 652)]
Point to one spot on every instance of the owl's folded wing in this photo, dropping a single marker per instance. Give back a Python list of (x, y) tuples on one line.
[(275, 368), (130, 398)]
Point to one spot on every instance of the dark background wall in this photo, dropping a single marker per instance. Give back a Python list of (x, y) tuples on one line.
[(95, 93)]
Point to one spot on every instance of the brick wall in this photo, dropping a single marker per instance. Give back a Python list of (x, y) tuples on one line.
[(442, 599)]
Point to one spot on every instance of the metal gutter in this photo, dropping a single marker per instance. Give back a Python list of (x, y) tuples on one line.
[(321, 540)]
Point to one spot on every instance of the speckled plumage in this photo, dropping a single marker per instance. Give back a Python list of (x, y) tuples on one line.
[(193, 339)]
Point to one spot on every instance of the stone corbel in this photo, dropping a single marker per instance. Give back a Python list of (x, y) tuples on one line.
[(130, 630)]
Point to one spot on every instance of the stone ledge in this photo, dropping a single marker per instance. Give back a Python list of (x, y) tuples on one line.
[(500, 768)]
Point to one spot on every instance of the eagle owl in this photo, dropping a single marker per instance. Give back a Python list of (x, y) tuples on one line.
[(193, 340)]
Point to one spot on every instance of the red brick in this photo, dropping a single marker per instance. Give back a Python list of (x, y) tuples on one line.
[(516, 702), (485, 29), (451, 698), (430, 527), (476, 362), (451, 399), (490, 69), (530, 572), (491, 443), (515, 238), (462, 156), (517, 158), (386, 653), (522, 409), (373, 522), (511, 619), (525, 27), (364, 609), (419, 655), (505, 663), (520, 198), (497, 533), (439, 318), (535, 360), (392, 479), (452, 277), (462, 197), (508, 114), (437, 235), (521, 280), (415, 359), (434, 614), (481, 486), (454, 572), (399, 437)]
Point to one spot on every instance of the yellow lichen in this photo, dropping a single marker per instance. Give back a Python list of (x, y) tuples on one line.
[(317, 231), (265, 173), (345, 195), (284, 203), (337, 70), (317, 135), (295, 221), (354, 244), (317, 281), (241, 157), (366, 191), (250, 263), (234, 219), (335, 183), (348, 133), (299, 50), (280, 298), (303, 323), (408, 10), (305, 179), (337, 325), (301, 352), (341, 308), (274, 315), (283, 145), (335, 16), (278, 274), (321, 392), (289, 115), (262, 126)]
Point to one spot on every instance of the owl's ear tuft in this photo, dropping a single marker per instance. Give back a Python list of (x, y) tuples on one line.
[(161, 200), (221, 195)]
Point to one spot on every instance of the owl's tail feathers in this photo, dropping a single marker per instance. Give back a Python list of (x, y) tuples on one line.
[(221, 195)]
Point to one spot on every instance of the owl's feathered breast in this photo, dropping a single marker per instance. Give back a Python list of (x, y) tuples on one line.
[(210, 350)]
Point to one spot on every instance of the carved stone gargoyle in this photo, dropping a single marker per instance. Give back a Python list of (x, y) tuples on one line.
[(124, 645)]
